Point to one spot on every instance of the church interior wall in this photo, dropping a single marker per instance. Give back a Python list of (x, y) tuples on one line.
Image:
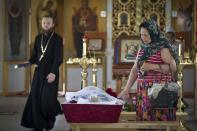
[(36, 10), (10, 54), (189, 85), (76, 85), (65, 29), (180, 5), (182, 23), (65, 9), (69, 10), (195, 91), (1, 43), (195, 42)]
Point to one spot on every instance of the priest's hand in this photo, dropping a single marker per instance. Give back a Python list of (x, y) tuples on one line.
[(51, 77), (26, 62)]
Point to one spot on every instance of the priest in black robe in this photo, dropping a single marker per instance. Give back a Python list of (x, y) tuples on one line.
[(42, 105)]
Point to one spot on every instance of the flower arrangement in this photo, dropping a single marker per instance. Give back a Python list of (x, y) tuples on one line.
[(130, 104)]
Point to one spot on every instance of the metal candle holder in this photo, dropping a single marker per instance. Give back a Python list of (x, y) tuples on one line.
[(84, 63)]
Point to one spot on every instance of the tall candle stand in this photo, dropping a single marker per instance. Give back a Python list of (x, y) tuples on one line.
[(94, 73), (180, 77), (181, 105), (180, 81), (84, 63)]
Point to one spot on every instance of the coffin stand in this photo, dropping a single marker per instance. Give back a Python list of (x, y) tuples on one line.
[(127, 123)]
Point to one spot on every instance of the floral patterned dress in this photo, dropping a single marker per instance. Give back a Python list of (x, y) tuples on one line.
[(144, 111)]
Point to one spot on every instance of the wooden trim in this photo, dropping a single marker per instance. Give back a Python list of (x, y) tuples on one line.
[(127, 121), (66, 71), (195, 22), (133, 125), (18, 93), (131, 116), (5, 78), (63, 77), (104, 72), (195, 42), (188, 94), (5, 31), (27, 81)]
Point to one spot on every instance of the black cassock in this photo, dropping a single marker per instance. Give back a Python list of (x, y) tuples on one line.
[(42, 105)]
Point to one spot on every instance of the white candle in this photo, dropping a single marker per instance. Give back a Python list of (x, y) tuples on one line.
[(179, 49), (84, 46)]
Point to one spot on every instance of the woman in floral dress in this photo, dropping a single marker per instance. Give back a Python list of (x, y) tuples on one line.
[(155, 63)]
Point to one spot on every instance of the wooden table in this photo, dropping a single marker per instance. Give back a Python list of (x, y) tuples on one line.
[(120, 71), (127, 123)]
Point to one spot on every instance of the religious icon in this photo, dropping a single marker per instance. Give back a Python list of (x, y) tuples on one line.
[(95, 44), (84, 19), (46, 7), (123, 19), (126, 48), (129, 50), (15, 26)]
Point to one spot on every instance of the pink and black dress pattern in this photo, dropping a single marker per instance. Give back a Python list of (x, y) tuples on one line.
[(144, 110)]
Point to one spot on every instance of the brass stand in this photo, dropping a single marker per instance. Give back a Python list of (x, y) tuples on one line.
[(180, 82), (84, 63), (181, 105), (94, 72)]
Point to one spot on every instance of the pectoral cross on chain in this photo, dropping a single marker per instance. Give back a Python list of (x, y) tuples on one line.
[(44, 49), (41, 57)]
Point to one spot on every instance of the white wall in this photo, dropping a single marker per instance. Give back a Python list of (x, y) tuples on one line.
[(74, 81), (16, 79), (188, 79), (1, 41)]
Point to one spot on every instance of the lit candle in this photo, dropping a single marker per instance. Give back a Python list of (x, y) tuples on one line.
[(84, 46), (179, 50)]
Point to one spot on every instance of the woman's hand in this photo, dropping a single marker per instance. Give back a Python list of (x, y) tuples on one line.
[(124, 94), (168, 59), (51, 77), (146, 66), (164, 68)]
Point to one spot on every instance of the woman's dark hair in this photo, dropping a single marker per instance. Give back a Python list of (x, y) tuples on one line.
[(152, 28), (142, 25)]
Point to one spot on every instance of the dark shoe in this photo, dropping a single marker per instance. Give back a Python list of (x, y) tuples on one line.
[(36, 130), (50, 125), (61, 112)]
